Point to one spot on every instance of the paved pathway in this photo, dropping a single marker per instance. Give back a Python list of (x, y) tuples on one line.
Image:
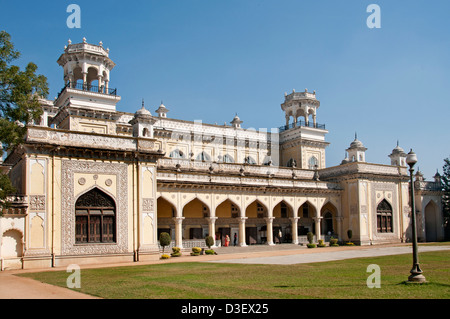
[(14, 287), (328, 255)]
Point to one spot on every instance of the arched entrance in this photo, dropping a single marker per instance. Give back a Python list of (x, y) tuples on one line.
[(227, 223), (282, 223), (195, 223), (431, 211), (166, 213), (256, 226), (306, 212), (329, 214)]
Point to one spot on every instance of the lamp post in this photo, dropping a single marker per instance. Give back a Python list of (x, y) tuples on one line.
[(416, 273)]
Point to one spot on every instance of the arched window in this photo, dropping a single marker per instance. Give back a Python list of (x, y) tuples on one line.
[(176, 154), (250, 160), (384, 217), (204, 157), (291, 163), (228, 159), (95, 218), (313, 163)]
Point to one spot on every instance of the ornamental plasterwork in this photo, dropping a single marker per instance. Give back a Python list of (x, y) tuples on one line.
[(389, 191), (68, 170), (37, 202), (148, 205)]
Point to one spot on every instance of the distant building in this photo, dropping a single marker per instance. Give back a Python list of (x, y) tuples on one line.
[(98, 185)]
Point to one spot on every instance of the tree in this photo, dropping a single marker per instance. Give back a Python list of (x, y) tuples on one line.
[(164, 240), (20, 92), (445, 179), (209, 241)]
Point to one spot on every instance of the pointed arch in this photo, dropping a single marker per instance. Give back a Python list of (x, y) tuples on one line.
[(384, 217), (256, 209), (431, 219), (196, 208), (228, 209), (95, 217), (307, 210), (283, 210)]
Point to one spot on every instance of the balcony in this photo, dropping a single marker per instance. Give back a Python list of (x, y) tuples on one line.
[(89, 88), (301, 123)]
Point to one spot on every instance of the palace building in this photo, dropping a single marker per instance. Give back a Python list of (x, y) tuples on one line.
[(97, 185)]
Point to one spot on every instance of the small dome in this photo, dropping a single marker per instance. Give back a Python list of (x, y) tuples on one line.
[(143, 111), (356, 144)]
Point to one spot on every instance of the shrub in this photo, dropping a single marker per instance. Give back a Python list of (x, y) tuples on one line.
[(321, 243), (311, 245), (210, 252), (165, 256), (349, 234), (350, 244), (164, 240), (334, 242), (176, 252), (209, 240), (310, 237), (196, 251)]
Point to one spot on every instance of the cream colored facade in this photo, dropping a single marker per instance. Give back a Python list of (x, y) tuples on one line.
[(98, 185)]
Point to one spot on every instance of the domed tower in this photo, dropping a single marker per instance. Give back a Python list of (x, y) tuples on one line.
[(87, 70), (357, 151), (398, 156), (142, 123)]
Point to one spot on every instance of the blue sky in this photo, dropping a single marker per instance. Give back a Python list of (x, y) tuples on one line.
[(209, 59)]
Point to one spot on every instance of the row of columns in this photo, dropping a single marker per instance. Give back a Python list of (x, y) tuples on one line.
[(242, 237)]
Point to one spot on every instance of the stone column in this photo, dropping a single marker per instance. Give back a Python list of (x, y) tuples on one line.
[(317, 225), (269, 221), (294, 227), (339, 220), (242, 242), (100, 84), (212, 228), (179, 231)]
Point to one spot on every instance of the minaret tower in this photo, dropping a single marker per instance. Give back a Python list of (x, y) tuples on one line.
[(87, 70), (302, 141)]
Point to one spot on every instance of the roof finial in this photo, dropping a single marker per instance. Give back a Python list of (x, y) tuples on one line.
[(142, 102), (356, 136)]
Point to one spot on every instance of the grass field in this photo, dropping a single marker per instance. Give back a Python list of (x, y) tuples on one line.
[(195, 280)]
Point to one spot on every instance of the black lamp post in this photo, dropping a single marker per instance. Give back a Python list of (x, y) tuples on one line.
[(416, 273)]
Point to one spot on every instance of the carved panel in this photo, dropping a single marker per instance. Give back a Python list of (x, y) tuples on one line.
[(68, 170), (37, 202)]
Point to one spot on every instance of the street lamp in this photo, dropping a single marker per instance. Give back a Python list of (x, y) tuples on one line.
[(416, 273)]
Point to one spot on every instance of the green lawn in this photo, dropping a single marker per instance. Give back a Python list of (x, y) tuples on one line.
[(337, 279)]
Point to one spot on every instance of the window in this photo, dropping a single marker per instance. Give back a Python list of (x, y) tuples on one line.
[(313, 163), (292, 163), (95, 218), (176, 154), (228, 159), (305, 210), (249, 160), (384, 217), (203, 157)]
